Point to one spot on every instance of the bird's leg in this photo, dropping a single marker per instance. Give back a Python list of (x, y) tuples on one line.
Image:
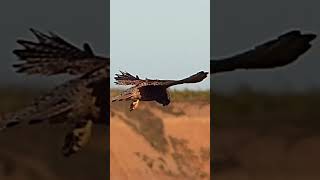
[(77, 138), (134, 105)]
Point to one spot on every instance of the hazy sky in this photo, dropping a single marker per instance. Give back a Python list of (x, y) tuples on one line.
[(76, 20), (240, 25), (161, 39)]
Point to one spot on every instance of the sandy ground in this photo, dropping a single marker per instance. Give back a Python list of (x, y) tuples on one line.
[(156, 142), (258, 136), (34, 153), (282, 153), (153, 142)]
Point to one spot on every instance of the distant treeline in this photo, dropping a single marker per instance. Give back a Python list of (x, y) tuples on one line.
[(181, 95), (250, 108)]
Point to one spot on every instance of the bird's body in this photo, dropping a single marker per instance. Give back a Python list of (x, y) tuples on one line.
[(274, 53), (150, 90), (79, 102)]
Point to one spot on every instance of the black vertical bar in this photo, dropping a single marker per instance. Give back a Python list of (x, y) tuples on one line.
[(108, 92)]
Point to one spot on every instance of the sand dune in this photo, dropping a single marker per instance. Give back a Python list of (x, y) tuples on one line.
[(266, 136), (284, 153), (156, 142), (34, 153)]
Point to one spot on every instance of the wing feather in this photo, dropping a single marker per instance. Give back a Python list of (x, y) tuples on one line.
[(125, 95), (53, 55), (277, 52), (126, 78)]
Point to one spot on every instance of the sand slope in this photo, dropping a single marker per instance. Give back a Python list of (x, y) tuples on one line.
[(156, 142)]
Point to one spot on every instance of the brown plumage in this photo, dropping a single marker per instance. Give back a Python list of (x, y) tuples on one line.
[(79, 102), (274, 53), (150, 90)]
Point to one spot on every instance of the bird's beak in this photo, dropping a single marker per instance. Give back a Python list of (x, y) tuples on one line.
[(310, 37)]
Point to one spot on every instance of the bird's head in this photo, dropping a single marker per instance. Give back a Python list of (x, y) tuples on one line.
[(198, 77), (202, 74)]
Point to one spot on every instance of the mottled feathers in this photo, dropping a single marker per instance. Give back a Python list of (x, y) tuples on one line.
[(148, 89), (53, 55), (79, 102)]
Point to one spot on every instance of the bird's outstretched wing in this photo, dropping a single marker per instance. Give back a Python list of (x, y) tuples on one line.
[(53, 55), (127, 79), (195, 78), (54, 106), (125, 95), (278, 52)]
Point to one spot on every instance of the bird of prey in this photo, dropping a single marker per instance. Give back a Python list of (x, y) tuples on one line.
[(80, 102), (274, 53), (148, 89)]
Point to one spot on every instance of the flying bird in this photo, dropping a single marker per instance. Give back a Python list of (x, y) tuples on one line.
[(80, 102), (148, 89), (274, 53)]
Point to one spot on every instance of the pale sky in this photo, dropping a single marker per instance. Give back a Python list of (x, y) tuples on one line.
[(160, 39), (240, 25), (77, 21)]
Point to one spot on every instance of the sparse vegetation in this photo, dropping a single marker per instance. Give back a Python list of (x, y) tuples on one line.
[(182, 95), (190, 95), (255, 109)]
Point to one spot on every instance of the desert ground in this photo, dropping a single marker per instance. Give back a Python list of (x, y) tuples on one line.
[(153, 142), (33, 152), (156, 142), (264, 136)]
